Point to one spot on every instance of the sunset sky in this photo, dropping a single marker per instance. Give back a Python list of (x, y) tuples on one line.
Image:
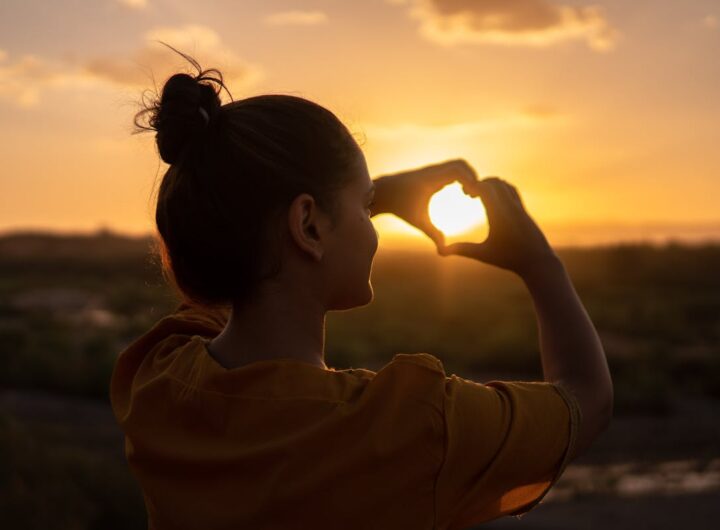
[(605, 115)]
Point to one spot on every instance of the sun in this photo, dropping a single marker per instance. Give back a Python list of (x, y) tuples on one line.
[(455, 213)]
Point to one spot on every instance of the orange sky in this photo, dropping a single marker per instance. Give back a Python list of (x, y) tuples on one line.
[(606, 118)]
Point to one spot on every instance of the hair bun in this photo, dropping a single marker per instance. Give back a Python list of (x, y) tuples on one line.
[(177, 117), (184, 111)]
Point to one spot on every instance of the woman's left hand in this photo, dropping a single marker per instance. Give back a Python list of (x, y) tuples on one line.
[(407, 194)]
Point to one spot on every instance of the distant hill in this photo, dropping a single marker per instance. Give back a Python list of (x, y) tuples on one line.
[(103, 245), (667, 263), (625, 266)]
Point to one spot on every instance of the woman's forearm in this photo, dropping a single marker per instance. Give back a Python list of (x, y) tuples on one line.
[(570, 347)]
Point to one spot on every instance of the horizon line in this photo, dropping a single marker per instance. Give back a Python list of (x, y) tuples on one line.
[(696, 234)]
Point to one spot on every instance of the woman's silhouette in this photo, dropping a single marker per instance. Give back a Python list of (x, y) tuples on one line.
[(232, 418)]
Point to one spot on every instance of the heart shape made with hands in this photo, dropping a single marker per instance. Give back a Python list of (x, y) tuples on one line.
[(455, 213)]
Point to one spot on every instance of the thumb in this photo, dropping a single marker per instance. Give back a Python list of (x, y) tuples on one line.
[(436, 235), (469, 250)]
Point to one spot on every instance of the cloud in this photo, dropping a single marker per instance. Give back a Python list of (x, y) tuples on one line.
[(540, 111), (154, 59), (711, 22), (134, 4), (528, 117), (24, 79), (296, 18), (535, 23)]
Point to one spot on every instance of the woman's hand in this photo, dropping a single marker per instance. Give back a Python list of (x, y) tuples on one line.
[(407, 194), (514, 241)]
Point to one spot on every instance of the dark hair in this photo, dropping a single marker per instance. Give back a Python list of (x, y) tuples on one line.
[(234, 170)]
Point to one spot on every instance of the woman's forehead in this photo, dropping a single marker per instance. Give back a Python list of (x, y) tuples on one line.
[(362, 180)]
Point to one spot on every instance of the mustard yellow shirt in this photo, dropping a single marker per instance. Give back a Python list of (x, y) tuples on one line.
[(284, 444)]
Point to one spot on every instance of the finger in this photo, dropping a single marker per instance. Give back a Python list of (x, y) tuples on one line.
[(505, 202), (487, 190), (516, 194), (434, 233), (512, 200), (465, 174), (449, 171), (487, 183), (469, 250)]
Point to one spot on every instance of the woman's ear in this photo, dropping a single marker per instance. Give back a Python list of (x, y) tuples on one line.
[(307, 223)]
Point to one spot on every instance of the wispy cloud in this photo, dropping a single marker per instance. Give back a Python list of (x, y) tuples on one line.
[(711, 22), (296, 18), (203, 43), (134, 4), (510, 22), (529, 116), (24, 79), (541, 111)]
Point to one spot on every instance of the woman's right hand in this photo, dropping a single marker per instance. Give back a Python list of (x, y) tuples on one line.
[(514, 241)]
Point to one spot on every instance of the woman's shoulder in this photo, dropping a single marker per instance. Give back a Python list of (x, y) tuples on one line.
[(410, 378), (422, 360)]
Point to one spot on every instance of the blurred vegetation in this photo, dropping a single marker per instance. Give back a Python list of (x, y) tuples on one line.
[(44, 485), (70, 304), (657, 309)]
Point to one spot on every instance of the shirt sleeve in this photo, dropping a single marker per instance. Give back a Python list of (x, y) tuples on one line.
[(506, 444)]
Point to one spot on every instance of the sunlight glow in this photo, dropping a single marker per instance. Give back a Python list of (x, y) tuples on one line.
[(453, 212)]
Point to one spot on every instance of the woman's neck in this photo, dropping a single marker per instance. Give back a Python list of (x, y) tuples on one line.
[(279, 325)]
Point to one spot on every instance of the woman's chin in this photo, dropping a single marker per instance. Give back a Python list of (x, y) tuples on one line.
[(356, 300), (369, 295)]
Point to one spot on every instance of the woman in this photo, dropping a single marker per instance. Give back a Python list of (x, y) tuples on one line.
[(233, 419)]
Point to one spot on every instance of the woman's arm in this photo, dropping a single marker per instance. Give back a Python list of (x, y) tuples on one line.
[(571, 352), (570, 349)]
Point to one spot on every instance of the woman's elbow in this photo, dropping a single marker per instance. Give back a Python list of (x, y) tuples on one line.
[(597, 409)]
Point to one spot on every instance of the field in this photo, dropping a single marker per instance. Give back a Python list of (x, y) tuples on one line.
[(69, 304)]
